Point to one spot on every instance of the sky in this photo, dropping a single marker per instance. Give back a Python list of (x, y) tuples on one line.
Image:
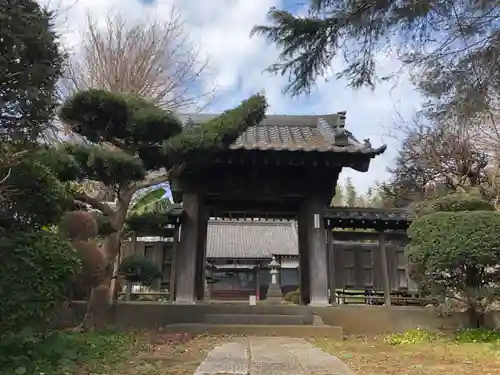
[(220, 28)]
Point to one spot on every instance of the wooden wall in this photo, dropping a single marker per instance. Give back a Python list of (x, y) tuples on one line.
[(161, 253), (355, 265), (359, 266)]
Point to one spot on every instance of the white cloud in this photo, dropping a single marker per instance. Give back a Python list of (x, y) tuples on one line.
[(221, 29)]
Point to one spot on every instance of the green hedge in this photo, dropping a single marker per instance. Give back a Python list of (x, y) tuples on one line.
[(36, 269)]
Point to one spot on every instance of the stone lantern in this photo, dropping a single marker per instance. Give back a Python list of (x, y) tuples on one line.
[(274, 291)]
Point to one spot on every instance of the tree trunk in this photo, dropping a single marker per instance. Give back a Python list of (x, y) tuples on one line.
[(102, 296)]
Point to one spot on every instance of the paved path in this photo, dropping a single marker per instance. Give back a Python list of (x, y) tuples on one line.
[(271, 356)]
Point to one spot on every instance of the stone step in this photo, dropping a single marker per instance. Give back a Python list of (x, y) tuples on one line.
[(301, 331), (259, 319), (260, 308)]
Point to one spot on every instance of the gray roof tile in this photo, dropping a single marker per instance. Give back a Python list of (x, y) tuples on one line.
[(251, 239), (322, 133)]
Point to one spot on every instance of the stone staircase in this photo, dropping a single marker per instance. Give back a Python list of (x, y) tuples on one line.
[(260, 320)]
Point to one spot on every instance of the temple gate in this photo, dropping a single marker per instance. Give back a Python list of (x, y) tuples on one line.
[(285, 167)]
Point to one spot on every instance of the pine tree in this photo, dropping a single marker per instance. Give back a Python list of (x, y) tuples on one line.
[(442, 39), (133, 144)]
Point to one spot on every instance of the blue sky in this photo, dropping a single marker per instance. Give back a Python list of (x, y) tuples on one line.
[(220, 29)]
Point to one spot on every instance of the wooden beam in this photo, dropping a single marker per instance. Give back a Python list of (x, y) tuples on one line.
[(232, 182), (359, 236), (385, 270)]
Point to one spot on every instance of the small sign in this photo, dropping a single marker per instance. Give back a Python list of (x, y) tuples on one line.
[(252, 300), (316, 221)]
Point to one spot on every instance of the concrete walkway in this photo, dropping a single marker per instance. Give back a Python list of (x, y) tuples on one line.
[(271, 356)]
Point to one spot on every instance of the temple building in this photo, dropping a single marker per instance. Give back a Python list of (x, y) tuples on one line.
[(238, 254)]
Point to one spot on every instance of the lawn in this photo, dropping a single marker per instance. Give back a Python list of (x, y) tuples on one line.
[(421, 356), (159, 353)]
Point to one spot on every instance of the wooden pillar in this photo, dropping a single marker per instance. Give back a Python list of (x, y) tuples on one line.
[(385, 270), (207, 290), (312, 214), (186, 252), (157, 259), (303, 257), (201, 252), (330, 248), (173, 266), (257, 282)]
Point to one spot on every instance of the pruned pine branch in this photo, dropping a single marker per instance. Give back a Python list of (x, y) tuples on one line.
[(95, 203)]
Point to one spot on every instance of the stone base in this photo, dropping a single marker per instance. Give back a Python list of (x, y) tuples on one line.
[(274, 295), (185, 302), (319, 303)]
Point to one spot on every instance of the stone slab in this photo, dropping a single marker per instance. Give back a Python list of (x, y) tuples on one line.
[(230, 358), (271, 356)]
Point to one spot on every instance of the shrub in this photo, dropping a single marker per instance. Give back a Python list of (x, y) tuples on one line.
[(477, 335), (293, 297), (136, 268), (36, 269), (455, 202), (457, 253), (28, 353)]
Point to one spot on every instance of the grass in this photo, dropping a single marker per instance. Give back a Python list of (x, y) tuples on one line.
[(104, 353), (61, 353), (158, 353), (419, 353)]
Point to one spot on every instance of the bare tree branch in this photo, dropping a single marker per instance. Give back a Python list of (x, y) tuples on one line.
[(154, 60)]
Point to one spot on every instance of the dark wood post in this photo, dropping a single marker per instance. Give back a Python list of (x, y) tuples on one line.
[(303, 257), (257, 282), (186, 252), (201, 252), (316, 249), (330, 248), (173, 266), (385, 270)]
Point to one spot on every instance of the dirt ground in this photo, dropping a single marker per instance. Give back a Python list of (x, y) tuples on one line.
[(167, 354), (170, 354), (375, 357)]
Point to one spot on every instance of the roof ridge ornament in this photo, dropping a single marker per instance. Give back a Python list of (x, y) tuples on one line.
[(341, 119), (341, 138)]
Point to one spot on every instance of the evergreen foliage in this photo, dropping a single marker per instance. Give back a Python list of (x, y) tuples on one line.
[(35, 271), (443, 39), (454, 249), (30, 66), (136, 268), (36, 265)]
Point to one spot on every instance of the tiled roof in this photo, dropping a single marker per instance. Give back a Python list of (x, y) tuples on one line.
[(324, 133), (367, 217), (251, 239)]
